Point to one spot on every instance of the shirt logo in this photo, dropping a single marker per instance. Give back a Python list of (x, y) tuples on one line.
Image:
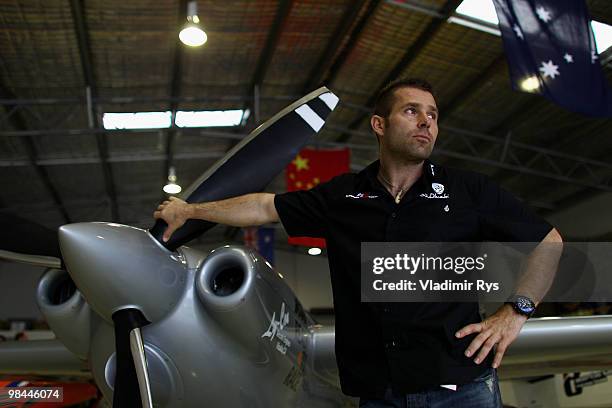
[(438, 190), (437, 187), (433, 195), (359, 196)]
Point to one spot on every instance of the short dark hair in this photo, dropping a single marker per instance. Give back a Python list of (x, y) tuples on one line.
[(386, 96)]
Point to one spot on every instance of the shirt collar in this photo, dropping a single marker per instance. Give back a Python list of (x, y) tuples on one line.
[(431, 173)]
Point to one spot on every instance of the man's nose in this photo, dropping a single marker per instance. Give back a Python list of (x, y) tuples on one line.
[(424, 121)]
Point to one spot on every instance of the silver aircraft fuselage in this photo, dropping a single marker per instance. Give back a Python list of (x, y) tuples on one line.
[(225, 330)]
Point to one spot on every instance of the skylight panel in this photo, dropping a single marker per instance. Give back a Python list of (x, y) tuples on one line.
[(603, 35), (209, 118), (483, 10), (137, 120)]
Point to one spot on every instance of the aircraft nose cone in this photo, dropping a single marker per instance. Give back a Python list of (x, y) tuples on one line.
[(117, 266)]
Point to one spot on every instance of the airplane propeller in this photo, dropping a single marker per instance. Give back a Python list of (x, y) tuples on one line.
[(90, 250), (279, 138), (26, 241)]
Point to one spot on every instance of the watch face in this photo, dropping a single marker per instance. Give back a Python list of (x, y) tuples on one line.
[(525, 304)]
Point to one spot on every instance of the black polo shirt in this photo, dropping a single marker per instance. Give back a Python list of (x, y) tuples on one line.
[(408, 346)]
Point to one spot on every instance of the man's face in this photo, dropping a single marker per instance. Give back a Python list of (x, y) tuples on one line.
[(410, 130)]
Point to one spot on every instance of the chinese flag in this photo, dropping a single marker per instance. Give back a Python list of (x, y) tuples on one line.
[(312, 167)]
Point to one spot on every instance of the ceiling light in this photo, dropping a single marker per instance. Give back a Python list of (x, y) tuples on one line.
[(171, 187), (530, 84), (314, 251), (192, 33)]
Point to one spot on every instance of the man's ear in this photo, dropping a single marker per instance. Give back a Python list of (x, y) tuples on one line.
[(378, 125)]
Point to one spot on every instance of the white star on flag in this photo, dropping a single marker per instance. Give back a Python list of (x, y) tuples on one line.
[(594, 56), (569, 58), (543, 14), (548, 69), (518, 31)]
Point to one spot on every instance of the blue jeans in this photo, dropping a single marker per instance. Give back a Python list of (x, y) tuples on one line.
[(483, 392)]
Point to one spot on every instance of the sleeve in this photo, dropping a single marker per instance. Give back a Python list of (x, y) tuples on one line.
[(504, 218), (303, 213)]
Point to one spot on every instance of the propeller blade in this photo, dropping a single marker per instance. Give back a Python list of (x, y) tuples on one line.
[(127, 391), (26, 241), (140, 364), (242, 169), (36, 260)]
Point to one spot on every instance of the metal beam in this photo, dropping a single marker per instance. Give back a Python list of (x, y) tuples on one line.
[(415, 48), (19, 123), (321, 74), (284, 8), (20, 103), (80, 28), (122, 158)]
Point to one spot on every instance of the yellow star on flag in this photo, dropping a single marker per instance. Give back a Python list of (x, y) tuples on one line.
[(300, 163)]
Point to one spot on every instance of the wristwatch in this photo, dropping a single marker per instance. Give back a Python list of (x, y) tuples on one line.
[(522, 304)]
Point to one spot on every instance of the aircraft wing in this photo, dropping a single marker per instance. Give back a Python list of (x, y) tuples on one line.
[(40, 358), (551, 345), (546, 345)]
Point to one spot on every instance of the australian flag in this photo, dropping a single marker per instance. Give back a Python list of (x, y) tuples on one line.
[(260, 239), (551, 50)]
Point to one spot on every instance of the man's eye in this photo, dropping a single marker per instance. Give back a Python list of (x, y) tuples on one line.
[(432, 116), (410, 110)]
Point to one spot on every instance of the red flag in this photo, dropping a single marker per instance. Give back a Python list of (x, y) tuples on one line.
[(312, 167)]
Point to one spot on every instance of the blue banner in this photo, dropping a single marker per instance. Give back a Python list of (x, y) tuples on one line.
[(551, 51), (260, 239)]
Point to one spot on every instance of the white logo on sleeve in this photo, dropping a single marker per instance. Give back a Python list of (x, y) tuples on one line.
[(437, 187)]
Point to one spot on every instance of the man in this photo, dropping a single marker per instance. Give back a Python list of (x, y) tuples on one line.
[(411, 354)]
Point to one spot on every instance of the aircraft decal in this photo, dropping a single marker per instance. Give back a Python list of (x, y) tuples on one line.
[(276, 330)]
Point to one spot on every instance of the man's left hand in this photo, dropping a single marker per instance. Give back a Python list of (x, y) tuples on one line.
[(501, 328)]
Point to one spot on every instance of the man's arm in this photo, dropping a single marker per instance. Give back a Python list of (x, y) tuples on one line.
[(504, 326), (241, 211)]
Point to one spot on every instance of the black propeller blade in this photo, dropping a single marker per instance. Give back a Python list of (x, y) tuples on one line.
[(27, 237), (255, 161), (28, 242), (129, 375)]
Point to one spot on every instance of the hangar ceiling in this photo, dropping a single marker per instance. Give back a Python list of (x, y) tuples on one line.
[(65, 62)]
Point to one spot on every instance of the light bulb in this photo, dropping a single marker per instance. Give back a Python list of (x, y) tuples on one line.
[(172, 188), (192, 35)]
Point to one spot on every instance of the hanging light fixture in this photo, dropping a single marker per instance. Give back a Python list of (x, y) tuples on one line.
[(171, 187), (192, 33)]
